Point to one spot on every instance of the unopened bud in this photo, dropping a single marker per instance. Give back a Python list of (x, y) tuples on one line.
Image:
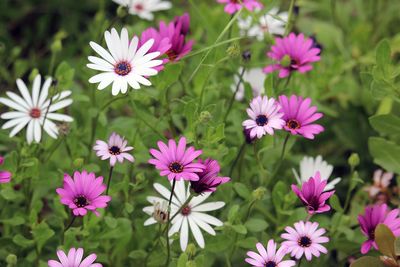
[(246, 56), (33, 74), (233, 50), (63, 128), (122, 11), (246, 133), (11, 260), (56, 46), (354, 160), (191, 250), (205, 116), (259, 193)]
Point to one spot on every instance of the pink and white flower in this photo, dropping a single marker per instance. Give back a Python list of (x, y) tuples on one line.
[(269, 257), (233, 6), (116, 149), (74, 259)]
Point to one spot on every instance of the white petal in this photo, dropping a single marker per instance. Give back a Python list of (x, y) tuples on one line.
[(22, 123), (98, 67), (203, 225), (36, 89), (59, 105), (19, 100), (100, 62), (29, 132), (13, 115), (209, 206), (12, 104), (132, 48), (196, 232), (51, 129), (184, 234), (199, 199), (208, 218), (124, 43), (102, 52), (150, 221), (176, 225), (59, 117), (37, 131), (24, 92), (143, 50), (116, 87), (45, 92), (165, 193)]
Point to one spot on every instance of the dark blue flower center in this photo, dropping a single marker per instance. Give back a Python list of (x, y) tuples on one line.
[(293, 124), (114, 150), (304, 242), (81, 201), (122, 68), (261, 120), (270, 264), (175, 167)]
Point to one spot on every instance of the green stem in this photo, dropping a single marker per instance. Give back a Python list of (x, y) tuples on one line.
[(281, 157), (234, 94), (257, 156), (109, 178), (237, 158), (168, 223), (290, 18)]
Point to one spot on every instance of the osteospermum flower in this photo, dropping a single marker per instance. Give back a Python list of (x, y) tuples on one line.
[(35, 110), (299, 116), (309, 166), (74, 259), (269, 257), (124, 64), (305, 238), (116, 149), (292, 53), (233, 6), (381, 183), (374, 215), (208, 178), (191, 216), (144, 8), (312, 194), (264, 117), (255, 77), (83, 193), (175, 161), (5, 176)]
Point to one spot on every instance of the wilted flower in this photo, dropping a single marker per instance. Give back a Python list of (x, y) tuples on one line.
[(116, 149), (305, 238), (269, 257), (74, 259), (83, 193), (233, 6), (255, 77), (5, 176), (175, 161), (144, 8), (299, 116), (312, 194), (374, 215), (292, 53), (35, 110), (208, 178), (381, 183)]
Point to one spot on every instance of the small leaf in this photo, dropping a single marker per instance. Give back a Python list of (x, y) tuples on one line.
[(242, 190), (256, 225), (383, 54), (385, 153), (335, 203), (41, 233), (367, 261), (183, 258), (385, 239), (240, 229)]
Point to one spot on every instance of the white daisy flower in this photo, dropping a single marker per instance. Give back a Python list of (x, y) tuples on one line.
[(144, 8), (255, 77), (309, 166), (191, 216), (124, 64), (31, 110)]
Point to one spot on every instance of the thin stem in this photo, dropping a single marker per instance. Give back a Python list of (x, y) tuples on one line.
[(234, 94), (290, 18), (237, 158), (257, 156), (281, 157), (109, 178), (168, 223), (70, 224), (249, 209), (230, 28)]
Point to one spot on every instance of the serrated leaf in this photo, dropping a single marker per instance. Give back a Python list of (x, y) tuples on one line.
[(385, 239)]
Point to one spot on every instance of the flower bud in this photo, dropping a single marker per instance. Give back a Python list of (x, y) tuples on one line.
[(246, 55), (191, 250), (11, 260), (78, 163), (56, 46), (259, 193), (205, 117), (33, 74), (354, 160), (233, 50), (122, 11)]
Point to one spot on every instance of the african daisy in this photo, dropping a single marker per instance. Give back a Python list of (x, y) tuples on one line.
[(115, 149), (269, 257), (5, 176), (233, 6), (381, 183), (74, 259), (144, 8)]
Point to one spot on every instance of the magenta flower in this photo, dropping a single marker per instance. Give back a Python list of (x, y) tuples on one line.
[(265, 116), (83, 193), (269, 257), (373, 216), (299, 116), (233, 6), (176, 32), (5, 176), (312, 194), (74, 259), (208, 178), (161, 44), (305, 238), (115, 149), (292, 53)]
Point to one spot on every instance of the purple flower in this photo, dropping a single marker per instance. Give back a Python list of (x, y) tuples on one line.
[(74, 259), (374, 215), (313, 196), (83, 193), (175, 161), (161, 44), (208, 178), (233, 6), (269, 257), (292, 53), (5, 176), (299, 116), (115, 149)]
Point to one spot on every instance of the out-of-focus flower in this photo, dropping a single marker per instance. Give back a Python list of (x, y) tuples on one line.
[(292, 53), (305, 238), (74, 259), (35, 110), (264, 117), (159, 211), (233, 6), (175, 161), (161, 44), (381, 183), (255, 77), (208, 178), (191, 216), (299, 116), (269, 257), (83, 193), (144, 8), (312, 194), (5, 176), (125, 63), (116, 149), (374, 215), (309, 166)]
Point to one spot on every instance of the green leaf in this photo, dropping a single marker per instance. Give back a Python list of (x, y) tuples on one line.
[(242, 190), (16, 220), (240, 229), (278, 194), (64, 75), (137, 254), (367, 261), (22, 241), (183, 258), (385, 239), (335, 203), (269, 86), (233, 212), (248, 243), (41, 233), (385, 124), (385, 153), (256, 225), (383, 54)]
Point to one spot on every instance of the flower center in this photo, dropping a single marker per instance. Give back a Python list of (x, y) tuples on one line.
[(81, 201), (293, 124), (139, 7), (372, 234), (270, 264), (304, 242), (175, 167), (35, 113), (261, 120), (122, 68), (114, 150), (171, 55), (185, 210)]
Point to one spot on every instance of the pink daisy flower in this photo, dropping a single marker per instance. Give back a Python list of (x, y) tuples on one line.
[(208, 178), (74, 259), (265, 116), (175, 161), (83, 193), (373, 216), (115, 149), (305, 238), (5, 176), (299, 116), (233, 6), (292, 53), (161, 44), (269, 257), (312, 194)]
